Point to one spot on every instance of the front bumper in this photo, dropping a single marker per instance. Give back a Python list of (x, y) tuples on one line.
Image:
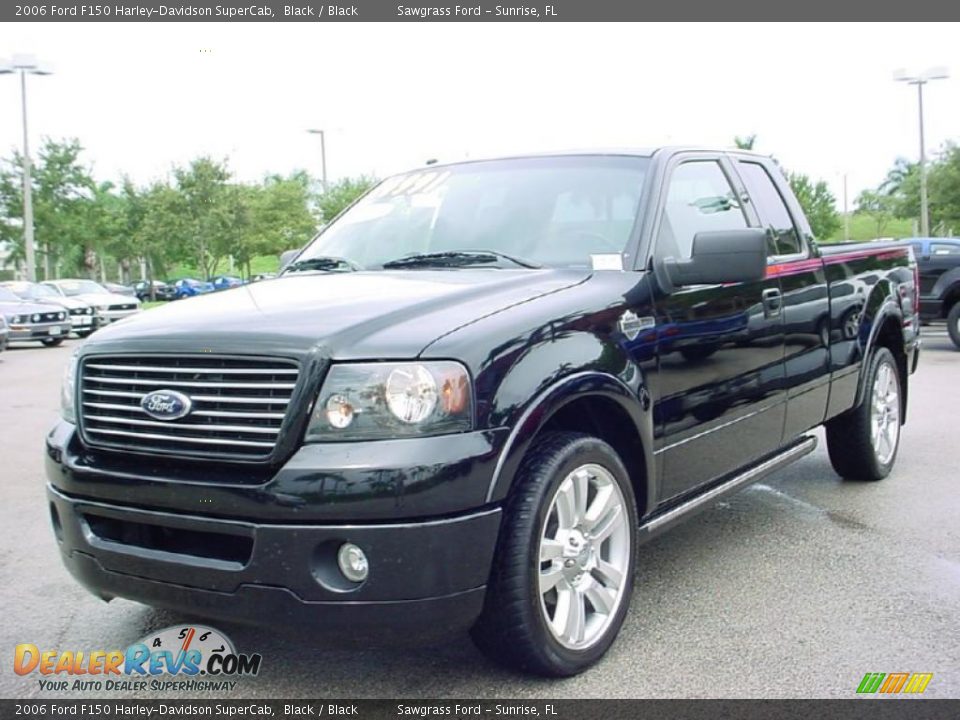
[(427, 575), (83, 322), (40, 331), (105, 317), (264, 552)]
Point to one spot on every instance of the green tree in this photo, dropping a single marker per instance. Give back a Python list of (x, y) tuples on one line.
[(944, 189), (745, 142), (818, 204), (63, 190), (278, 218), (160, 226), (879, 207), (213, 209), (341, 194)]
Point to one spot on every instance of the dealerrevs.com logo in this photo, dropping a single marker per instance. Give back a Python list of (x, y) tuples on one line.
[(183, 657)]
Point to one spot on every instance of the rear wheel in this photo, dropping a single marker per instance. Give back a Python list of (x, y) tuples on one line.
[(562, 577), (953, 323), (863, 442), (52, 342)]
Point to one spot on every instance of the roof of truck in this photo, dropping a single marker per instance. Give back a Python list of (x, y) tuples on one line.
[(608, 151)]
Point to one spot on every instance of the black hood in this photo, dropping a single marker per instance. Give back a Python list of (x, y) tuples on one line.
[(384, 314)]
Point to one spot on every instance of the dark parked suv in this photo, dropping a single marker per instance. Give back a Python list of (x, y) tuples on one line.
[(939, 262), (470, 400)]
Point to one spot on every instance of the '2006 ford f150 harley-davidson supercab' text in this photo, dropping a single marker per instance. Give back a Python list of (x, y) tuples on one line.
[(470, 400)]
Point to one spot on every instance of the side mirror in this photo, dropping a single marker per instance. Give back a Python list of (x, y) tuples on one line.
[(722, 256)]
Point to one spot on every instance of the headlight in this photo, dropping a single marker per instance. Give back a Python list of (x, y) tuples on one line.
[(35, 318), (373, 401), (89, 311), (18, 319), (68, 389)]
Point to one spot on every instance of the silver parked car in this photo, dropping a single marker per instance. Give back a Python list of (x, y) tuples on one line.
[(109, 307), (83, 317), (48, 324)]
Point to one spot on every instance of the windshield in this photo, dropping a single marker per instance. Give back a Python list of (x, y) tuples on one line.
[(81, 287), (31, 291), (550, 211), (7, 296)]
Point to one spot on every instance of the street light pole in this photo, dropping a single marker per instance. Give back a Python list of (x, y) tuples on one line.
[(846, 212), (924, 203), (938, 73), (26, 65), (27, 189), (323, 155)]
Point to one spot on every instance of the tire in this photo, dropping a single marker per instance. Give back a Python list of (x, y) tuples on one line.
[(52, 342), (856, 451), (83, 333), (953, 324), (515, 627)]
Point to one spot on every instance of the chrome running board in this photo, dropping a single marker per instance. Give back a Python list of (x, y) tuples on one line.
[(659, 523)]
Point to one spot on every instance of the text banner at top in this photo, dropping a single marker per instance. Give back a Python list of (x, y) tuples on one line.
[(483, 11)]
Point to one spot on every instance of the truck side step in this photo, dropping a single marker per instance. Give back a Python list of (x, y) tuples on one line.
[(667, 519)]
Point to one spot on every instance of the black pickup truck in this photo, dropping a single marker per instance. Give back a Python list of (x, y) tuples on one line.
[(938, 260), (475, 395)]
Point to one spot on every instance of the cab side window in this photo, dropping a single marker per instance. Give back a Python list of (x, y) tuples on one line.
[(699, 198), (784, 238)]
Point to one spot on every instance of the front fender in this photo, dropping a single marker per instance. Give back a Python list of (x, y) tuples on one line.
[(627, 388)]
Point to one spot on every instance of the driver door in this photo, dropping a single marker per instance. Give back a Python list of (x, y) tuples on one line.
[(720, 347)]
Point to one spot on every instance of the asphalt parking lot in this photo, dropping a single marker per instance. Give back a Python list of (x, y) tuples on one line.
[(794, 588)]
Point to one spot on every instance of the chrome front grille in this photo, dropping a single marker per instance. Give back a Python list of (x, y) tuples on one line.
[(238, 403)]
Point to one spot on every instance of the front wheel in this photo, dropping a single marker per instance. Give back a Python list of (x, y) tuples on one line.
[(563, 573), (863, 442), (52, 342), (953, 324)]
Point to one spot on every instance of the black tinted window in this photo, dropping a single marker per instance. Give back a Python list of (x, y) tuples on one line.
[(699, 199), (769, 203)]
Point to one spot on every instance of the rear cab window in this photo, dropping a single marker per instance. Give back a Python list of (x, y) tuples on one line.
[(784, 240)]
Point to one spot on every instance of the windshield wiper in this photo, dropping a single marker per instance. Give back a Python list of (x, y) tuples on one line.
[(457, 258), (323, 263)]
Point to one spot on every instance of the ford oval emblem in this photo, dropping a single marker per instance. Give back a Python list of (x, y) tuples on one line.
[(166, 404)]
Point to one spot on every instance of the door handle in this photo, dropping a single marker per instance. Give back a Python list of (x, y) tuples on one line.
[(772, 302)]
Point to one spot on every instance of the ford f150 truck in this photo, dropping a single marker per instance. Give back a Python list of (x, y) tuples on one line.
[(471, 399)]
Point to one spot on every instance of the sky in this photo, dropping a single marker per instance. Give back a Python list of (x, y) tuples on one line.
[(143, 97)]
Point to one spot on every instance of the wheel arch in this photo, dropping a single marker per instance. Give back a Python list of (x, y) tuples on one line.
[(596, 403), (887, 331)]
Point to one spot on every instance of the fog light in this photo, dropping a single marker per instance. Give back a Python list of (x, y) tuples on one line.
[(353, 562)]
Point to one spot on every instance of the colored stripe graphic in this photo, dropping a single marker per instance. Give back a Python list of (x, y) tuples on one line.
[(918, 682), (870, 682), (893, 683)]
